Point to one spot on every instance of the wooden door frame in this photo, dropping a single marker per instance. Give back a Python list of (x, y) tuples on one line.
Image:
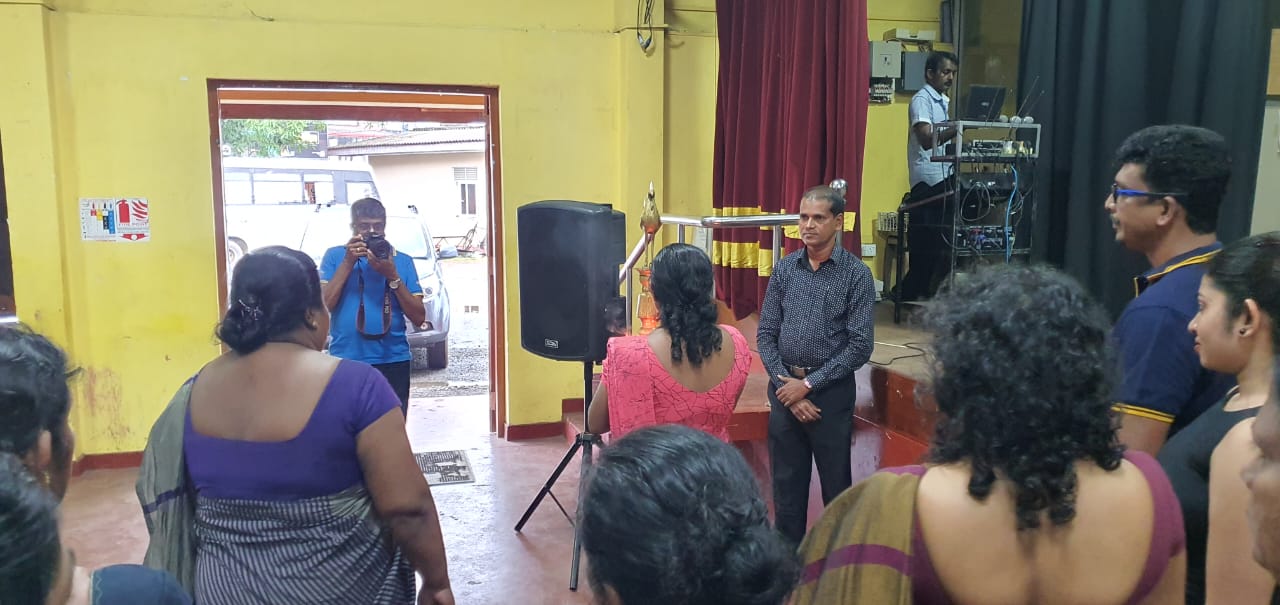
[(493, 239)]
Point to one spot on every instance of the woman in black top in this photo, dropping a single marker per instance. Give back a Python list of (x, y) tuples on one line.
[(1239, 297)]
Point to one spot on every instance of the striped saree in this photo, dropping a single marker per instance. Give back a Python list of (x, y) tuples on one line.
[(331, 549), (860, 550)]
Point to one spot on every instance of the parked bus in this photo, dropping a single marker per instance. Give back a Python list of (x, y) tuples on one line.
[(268, 201)]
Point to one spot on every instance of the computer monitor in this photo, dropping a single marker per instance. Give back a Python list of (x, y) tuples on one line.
[(984, 103)]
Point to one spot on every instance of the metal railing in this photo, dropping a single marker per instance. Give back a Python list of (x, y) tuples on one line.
[(776, 221)]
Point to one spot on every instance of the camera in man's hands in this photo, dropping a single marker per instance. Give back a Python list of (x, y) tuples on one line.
[(378, 245)]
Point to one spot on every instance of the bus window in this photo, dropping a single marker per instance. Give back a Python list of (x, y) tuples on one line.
[(319, 188), (324, 193), (278, 188), (360, 189), (302, 181), (236, 187)]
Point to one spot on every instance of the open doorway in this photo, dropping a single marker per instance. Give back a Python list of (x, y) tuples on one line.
[(8, 307), (289, 159)]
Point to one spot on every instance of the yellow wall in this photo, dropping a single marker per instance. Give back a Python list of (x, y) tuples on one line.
[(116, 104), (691, 68), (27, 137)]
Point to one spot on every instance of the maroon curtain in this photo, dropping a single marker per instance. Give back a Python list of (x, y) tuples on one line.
[(791, 113)]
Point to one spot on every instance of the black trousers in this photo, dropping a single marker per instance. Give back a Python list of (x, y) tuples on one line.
[(795, 446), (929, 262), (398, 375)]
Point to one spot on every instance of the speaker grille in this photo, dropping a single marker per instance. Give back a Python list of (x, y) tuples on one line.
[(569, 253)]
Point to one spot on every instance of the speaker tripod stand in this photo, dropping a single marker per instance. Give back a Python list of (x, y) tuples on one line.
[(585, 441)]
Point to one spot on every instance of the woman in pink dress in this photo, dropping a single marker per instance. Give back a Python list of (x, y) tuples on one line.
[(689, 371)]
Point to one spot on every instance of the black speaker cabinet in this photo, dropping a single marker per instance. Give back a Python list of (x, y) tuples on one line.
[(570, 253)]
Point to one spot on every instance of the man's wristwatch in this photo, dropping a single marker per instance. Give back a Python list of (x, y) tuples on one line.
[(395, 283), (807, 385)]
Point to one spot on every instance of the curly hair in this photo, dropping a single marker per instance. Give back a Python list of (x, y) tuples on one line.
[(1189, 160), (670, 514), (1022, 372), (1249, 268), (682, 286)]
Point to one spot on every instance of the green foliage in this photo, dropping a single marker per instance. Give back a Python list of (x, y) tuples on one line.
[(267, 138)]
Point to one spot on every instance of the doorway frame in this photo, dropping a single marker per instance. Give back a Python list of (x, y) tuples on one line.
[(494, 239)]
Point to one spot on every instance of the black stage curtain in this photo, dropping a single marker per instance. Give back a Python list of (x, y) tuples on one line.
[(1094, 71)]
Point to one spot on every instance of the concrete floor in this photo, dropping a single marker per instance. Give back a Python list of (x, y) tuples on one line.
[(468, 373), (489, 563)]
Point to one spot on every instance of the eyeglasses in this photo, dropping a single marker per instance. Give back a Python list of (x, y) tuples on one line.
[(1117, 193)]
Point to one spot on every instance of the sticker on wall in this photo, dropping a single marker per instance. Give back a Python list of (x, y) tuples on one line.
[(114, 220)]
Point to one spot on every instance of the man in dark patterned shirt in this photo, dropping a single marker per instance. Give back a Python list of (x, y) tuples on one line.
[(815, 331)]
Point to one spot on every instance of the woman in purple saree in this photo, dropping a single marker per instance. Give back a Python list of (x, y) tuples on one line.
[(280, 474)]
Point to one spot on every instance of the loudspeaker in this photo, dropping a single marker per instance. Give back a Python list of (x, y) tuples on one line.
[(569, 254)]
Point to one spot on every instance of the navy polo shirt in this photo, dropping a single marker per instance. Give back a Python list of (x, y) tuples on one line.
[(1161, 376)]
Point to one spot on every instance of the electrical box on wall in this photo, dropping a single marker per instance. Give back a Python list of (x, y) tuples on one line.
[(886, 59), (912, 71)]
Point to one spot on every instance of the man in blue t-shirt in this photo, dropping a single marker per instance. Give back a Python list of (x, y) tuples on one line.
[(370, 288), (1164, 204)]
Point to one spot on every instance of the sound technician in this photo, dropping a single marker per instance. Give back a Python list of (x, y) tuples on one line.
[(370, 289), (929, 259), (815, 331)]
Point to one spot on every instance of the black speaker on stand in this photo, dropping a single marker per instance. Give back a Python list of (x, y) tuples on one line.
[(569, 254)]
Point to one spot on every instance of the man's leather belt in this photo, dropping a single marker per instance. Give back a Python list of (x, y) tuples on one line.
[(800, 371)]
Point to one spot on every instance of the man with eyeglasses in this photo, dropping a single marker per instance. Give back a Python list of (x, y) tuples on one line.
[(370, 288), (1164, 204)]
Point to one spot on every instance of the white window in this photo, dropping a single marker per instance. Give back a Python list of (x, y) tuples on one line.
[(467, 191), (465, 177)]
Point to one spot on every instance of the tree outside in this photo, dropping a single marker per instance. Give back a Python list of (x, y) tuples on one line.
[(270, 138)]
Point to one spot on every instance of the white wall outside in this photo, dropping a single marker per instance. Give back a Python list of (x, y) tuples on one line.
[(427, 181)]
